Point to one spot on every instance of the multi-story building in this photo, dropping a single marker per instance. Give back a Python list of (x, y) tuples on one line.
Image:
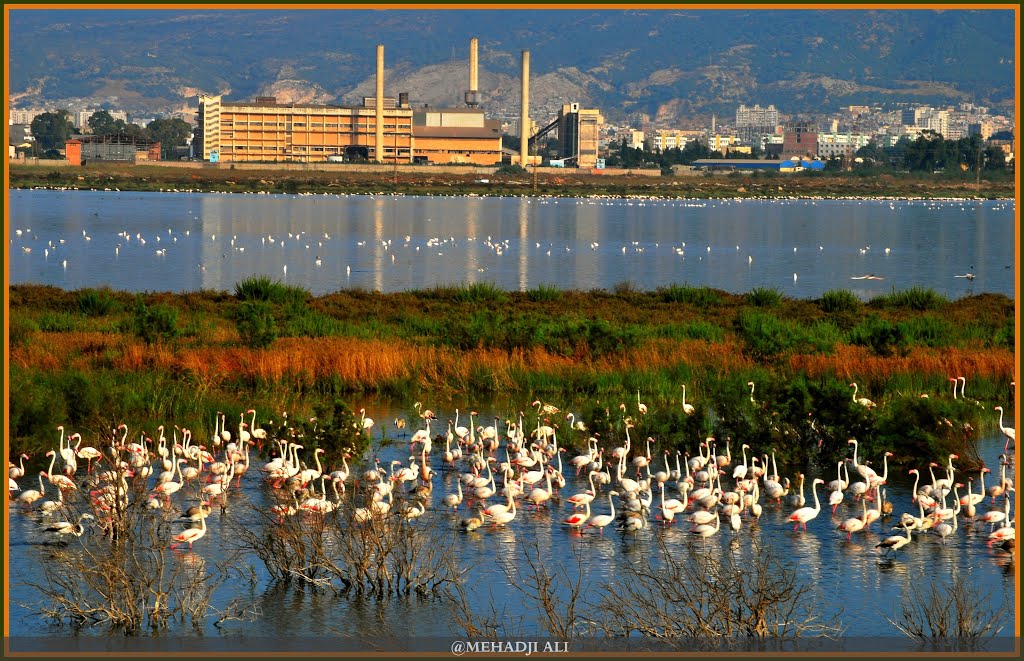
[(81, 117), (840, 145), (636, 139), (579, 133), (799, 139), (265, 130), (24, 116), (722, 143), (926, 117), (674, 139), (754, 122)]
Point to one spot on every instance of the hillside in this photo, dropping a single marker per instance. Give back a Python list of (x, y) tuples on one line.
[(669, 64)]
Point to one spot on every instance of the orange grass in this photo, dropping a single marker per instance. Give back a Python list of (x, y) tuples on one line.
[(302, 362), (859, 362)]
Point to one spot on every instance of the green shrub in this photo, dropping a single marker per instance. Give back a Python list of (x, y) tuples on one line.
[(1006, 336), (510, 168), (57, 322), (915, 298), (824, 336), (765, 335), (256, 324), (839, 300), (95, 302), (154, 323), (20, 329), (480, 292), (262, 288), (701, 297), (881, 336), (928, 330), (543, 293), (310, 324), (624, 288), (702, 330), (763, 297)]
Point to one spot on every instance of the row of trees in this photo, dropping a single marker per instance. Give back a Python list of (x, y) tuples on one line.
[(52, 129), (932, 153)]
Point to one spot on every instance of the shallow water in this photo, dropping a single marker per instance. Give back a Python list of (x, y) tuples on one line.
[(212, 241), (849, 580)]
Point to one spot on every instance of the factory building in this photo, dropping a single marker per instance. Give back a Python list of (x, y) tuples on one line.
[(579, 131), (267, 131), (113, 147)]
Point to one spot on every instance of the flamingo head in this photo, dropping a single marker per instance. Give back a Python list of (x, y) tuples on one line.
[(912, 471), (889, 454), (958, 484), (852, 441), (986, 470), (50, 453)]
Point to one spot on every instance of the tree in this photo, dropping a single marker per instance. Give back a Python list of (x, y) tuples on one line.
[(170, 132), (52, 129), (101, 123)]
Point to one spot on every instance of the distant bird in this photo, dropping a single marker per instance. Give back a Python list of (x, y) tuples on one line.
[(969, 276)]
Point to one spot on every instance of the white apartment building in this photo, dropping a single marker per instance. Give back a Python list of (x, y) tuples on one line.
[(840, 145)]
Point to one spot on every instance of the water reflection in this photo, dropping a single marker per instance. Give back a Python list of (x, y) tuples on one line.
[(212, 241)]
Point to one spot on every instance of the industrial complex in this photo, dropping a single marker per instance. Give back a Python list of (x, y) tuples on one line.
[(382, 129)]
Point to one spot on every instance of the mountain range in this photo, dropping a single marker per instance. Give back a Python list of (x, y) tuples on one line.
[(671, 65)]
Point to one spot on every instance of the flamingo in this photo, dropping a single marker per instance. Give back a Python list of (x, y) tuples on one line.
[(740, 471), (191, 535), (170, 487), (954, 381), (258, 433), (28, 497), (538, 495), (1009, 432), (865, 471), (998, 489), (17, 472), (853, 525), (454, 500), (639, 405), (863, 401), (805, 514), (225, 435), (602, 520), (687, 408), (501, 518), (58, 480), (836, 498), (705, 530), (752, 400), (364, 422), (577, 519), (581, 499), (88, 453)]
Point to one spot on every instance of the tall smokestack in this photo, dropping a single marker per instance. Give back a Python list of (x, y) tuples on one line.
[(472, 65), (472, 96), (378, 145), (524, 121)]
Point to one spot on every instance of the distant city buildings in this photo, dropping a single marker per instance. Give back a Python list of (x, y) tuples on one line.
[(752, 123)]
